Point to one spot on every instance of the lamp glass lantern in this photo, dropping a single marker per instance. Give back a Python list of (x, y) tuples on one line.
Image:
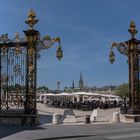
[(59, 53), (111, 57)]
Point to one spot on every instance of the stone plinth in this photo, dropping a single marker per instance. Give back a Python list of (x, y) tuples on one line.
[(56, 118), (130, 118), (68, 116), (116, 117), (99, 115)]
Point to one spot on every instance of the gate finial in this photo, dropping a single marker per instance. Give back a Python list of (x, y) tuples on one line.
[(132, 29), (31, 21)]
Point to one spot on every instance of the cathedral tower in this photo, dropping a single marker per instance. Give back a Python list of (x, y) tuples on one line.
[(81, 83)]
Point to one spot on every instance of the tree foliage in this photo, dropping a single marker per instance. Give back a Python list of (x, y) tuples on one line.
[(43, 88), (123, 90)]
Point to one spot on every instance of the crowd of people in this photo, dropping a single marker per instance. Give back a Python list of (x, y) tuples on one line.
[(86, 105), (81, 100)]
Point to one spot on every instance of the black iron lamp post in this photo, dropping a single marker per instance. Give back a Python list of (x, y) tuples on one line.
[(131, 49)]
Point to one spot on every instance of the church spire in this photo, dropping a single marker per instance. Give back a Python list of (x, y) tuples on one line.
[(73, 86), (81, 83)]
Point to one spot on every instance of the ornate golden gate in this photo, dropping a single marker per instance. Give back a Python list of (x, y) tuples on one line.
[(18, 68)]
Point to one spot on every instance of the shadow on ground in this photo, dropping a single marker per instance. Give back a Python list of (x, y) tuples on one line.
[(6, 130), (66, 137), (12, 129), (44, 119)]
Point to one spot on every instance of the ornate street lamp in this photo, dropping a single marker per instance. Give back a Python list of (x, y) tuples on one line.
[(131, 49), (44, 42)]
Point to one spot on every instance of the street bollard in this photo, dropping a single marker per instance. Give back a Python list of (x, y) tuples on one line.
[(56, 118)]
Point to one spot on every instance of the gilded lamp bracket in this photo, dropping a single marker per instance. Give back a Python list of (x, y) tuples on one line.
[(124, 47), (46, 41), (121, 47)]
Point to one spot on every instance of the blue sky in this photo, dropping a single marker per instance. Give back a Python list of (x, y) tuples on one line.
[(86, 27)]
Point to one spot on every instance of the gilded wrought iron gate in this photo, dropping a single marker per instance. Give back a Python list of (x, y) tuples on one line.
[(18, 73), (18, 68), (13, 57)]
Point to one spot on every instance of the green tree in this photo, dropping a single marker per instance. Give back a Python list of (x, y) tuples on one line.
[(43, 88), (123, 92)]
